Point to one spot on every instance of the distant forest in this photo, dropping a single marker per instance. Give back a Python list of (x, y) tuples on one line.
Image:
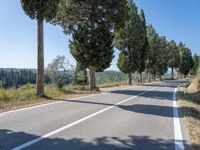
[(14, 78), (18, 77)]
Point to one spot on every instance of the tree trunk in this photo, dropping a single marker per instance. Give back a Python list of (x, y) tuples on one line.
[(149, 77), (154, 74), (185, 76), (172, 72), (40, 60), (130, 78), (92, 80), (160, 77), (141, 79)]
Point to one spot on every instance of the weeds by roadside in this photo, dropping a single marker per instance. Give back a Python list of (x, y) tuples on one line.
[(190, 108)]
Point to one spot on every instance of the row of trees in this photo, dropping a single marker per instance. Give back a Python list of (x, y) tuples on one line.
[(97, 26)]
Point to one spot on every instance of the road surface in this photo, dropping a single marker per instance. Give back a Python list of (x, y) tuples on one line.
[(131, 117)]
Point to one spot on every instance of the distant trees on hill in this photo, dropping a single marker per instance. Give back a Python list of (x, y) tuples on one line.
[(18, 77)]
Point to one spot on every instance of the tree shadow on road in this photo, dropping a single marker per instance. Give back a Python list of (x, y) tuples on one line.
[(163, 111), (153, 94), (10, 139)]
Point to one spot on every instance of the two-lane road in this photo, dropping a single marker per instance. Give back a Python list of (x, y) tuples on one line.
[(138, 118)]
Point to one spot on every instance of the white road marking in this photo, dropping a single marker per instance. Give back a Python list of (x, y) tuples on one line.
[(177, 127), (36, 140), (42, 105)]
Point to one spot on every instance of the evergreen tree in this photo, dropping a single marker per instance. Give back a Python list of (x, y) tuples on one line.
[(173, 56), (130, 40), (143, 52), (96, 54), (80, 75), (76, 15), (153, 51), (40, 10), (196, 60), (161, 56), (186, 61)]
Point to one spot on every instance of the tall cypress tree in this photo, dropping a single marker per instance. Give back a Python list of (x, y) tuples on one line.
[(186, 61), (76, 15), (80, 75), (130, 40), (153, 51), (143, 52), (173, 56), (90, 48), (40, 10)]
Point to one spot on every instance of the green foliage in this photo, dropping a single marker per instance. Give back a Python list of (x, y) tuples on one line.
[(15, 78), (98, 52), (143, 52), (45, 9), (130, 40), (72, 13), (157, 55), (108, 77), (152, 60), (80, 75), (58, 71), (162, 59), (194, 69), (186, 61), (173, 55), (126, 63)]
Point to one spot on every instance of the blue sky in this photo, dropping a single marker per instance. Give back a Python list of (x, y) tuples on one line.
[(178, 20)]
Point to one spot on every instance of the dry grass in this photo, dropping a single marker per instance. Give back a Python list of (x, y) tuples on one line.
[(112, 84), (26, 96), (191, 115)]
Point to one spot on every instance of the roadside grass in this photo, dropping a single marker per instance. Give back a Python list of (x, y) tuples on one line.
[(190, 107), (112, 84), (26, 95)]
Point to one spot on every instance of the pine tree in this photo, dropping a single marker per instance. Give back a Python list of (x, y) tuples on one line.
[(40, 10)]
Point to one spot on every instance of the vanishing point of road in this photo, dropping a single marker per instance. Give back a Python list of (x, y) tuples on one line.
[(126, 117)]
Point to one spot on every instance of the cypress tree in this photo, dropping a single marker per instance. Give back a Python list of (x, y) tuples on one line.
[(90, 48), (80, 75), (143, 52), (130, 40), (173, 56), (76, 15)]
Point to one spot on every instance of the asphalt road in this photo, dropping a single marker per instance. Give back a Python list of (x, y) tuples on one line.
[(136, 118)]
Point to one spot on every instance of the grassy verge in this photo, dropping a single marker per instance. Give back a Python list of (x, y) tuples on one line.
[(190, 107), (26, 96), (112, 84)]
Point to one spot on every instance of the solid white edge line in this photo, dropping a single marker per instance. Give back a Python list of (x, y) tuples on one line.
[(36, 140), (179, 145)]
